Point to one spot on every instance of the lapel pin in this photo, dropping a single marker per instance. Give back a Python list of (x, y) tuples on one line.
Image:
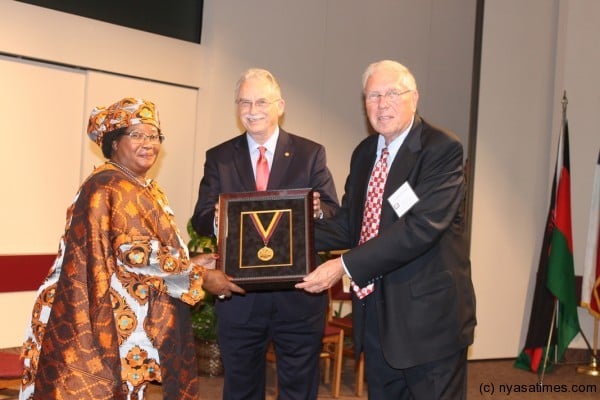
[(286, 154)]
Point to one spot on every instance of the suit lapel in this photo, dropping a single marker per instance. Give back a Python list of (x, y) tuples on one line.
[(284, 154), (243, 164), (364, 173)]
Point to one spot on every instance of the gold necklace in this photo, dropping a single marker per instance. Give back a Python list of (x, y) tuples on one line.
[(130, 174)]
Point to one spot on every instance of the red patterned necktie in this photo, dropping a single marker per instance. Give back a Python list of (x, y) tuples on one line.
[(372, 212), (262, 170)]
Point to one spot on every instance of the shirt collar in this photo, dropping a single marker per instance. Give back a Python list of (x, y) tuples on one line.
[(270, 144), (394, 146)]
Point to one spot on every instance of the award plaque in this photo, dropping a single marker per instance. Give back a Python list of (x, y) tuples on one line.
[(265, 238)]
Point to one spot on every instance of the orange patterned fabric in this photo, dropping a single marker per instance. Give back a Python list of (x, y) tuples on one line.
[(126, 112), (112, 316)]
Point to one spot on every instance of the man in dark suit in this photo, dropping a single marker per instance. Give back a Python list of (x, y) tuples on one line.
[(413, 302), (293, 319)]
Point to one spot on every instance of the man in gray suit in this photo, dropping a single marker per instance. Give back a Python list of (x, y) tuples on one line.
[(402, 217), (293, 319)]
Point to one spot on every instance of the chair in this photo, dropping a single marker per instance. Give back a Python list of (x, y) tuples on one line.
[(337, 294), (333, 345), (11, 371)]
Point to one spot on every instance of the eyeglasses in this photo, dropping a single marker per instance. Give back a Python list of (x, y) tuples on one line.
[(260, 104), (138, 138), (391, 95)]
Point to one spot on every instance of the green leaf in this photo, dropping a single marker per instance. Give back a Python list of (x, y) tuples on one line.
[(198, 243)]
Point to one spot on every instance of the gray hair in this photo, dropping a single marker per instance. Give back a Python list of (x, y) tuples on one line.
[(405, 77), (260, 74)]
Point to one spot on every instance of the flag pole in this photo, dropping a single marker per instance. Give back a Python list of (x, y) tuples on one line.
[(592, 368), (564, 103), (545, 361)]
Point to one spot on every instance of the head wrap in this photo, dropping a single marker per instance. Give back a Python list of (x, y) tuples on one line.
[(126, 112)]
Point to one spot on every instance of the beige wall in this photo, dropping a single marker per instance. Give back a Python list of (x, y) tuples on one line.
[(318, 49)]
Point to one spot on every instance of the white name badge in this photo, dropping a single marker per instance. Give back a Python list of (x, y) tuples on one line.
[(403, 199)]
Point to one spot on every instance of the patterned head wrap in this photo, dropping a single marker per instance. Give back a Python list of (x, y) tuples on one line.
[(126, 112)]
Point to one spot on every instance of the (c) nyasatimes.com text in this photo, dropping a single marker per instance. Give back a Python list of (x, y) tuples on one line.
[(507, 389)]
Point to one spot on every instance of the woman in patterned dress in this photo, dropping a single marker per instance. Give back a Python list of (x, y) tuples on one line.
[(113, 313)]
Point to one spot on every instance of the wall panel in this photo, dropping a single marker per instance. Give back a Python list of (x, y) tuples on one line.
[(45, 154), (40, 152)]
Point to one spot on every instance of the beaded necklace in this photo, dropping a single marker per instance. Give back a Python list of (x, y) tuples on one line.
[(130, 174)]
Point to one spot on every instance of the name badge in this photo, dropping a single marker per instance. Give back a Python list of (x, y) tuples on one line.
[(403, 199)]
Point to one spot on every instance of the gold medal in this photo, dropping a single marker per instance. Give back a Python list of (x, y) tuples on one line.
[(265, 253)]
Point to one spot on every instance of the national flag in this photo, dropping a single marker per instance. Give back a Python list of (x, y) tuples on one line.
[(532, 356), (590, 291), (555, 277), (561, 268)]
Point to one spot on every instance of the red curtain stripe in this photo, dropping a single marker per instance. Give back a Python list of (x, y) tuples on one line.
[(24, 272)]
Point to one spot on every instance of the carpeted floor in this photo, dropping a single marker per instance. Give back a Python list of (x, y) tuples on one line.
[(498, 379), (487, 380), (490, 379)]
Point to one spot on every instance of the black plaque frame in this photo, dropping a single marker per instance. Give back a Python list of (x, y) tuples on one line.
[(291, 214)]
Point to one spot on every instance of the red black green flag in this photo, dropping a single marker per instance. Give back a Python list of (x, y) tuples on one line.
[(555, 281)]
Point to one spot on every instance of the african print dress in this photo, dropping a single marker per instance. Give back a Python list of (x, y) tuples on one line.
[(112, 316)]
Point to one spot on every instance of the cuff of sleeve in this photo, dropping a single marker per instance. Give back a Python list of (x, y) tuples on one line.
[(344, 266)]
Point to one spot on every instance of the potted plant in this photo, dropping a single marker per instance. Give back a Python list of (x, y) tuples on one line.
[(204, 317)]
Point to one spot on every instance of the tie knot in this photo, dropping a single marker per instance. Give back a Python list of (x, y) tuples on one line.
[(384, 155), (262, 150)]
